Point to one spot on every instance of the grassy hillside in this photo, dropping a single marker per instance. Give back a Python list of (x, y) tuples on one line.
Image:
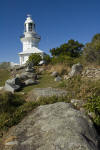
[(4, 75)]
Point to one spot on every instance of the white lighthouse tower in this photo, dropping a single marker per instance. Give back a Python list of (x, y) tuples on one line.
[(30, 41)]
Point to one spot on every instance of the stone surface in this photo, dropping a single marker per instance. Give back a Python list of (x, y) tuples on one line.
[(1, 88), (45, 92), (41, 70), (54, 74), (66, 77), (19, 67), (91, 73), (12, 85), (27, 75), (29, 82), (58, 78), (53, 127), (75, 70)]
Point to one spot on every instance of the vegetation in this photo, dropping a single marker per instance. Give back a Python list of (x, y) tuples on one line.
[(34, 59), (91, 52), (46, 80), (4, 75), (47, 59), (5, 65), (93, 105), (71, 49)]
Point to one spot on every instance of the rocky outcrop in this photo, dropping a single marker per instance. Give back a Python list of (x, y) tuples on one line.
[(53, 127), (75, 70), (12, 85), (45, 92), (91, 73)]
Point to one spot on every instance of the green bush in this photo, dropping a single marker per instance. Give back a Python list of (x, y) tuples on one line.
[(93, 105), (72, 49), (47, 59), (91, 52), (34, 59), (62, 59)]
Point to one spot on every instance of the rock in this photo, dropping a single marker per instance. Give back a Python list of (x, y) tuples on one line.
[(41, 70), (29, 70), (45, 92), (29, 67), (27, 75), (29, 82), (91, 73), (42, 62), (54, 74), (76, 69), (58, 78), (66, 77), (1, 88), (12, 85), (20, 67), (54, 127)]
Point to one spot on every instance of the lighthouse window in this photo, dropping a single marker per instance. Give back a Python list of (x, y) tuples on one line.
[(30, 27)]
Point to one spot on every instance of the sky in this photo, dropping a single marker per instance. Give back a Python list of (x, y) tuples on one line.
[(57, 21)]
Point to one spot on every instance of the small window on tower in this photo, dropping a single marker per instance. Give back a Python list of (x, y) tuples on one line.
[(30, 27)]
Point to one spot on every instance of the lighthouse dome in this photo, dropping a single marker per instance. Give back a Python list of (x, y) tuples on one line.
[(29, 19)]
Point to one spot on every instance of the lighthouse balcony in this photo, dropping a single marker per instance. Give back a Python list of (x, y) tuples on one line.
[(36, 36)]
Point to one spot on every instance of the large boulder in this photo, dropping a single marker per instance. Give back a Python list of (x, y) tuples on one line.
[(12, 85), (53, 127), (76, 70), (37, 93)]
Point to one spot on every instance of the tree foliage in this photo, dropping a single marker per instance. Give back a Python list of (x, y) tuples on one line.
[(35, 59), (72, 48), (91, 51), (47, 59)]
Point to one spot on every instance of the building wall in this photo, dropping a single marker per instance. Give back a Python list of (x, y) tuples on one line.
[(23, 59)]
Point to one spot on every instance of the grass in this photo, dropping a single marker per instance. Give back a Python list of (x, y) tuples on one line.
[(46, 80), (80, 88), (4, 75)]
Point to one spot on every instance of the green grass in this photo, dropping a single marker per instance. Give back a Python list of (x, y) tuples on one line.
[(46, 80), (4, 75)]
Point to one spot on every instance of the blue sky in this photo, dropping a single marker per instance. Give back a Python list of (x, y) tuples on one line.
[(57, 21)]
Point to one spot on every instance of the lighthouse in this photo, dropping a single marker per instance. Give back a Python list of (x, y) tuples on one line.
[(30, 40)]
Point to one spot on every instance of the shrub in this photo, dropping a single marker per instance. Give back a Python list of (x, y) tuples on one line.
[(72, 49), (91, 52), (34, 59), (47, 59), (93, 105)]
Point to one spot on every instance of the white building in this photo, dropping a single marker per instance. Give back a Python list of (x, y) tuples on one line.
[(30, 41)]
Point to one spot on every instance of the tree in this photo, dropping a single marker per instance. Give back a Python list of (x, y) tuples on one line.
[(72, 48), (35, 59), (91, 52), (47, 59)]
